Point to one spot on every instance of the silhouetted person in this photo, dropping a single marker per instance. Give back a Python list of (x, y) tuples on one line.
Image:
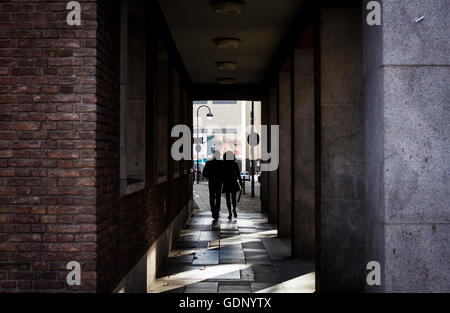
[(230, 181), (213, 171)]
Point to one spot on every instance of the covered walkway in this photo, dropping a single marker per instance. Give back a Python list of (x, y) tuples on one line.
[(354, 148)]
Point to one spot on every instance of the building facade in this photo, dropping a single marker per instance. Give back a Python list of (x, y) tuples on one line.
[(228, 130)]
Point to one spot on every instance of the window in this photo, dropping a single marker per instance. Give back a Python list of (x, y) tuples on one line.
[(162, 114), (200, 130), (187, 118), (133, 95), (224, 102), (224, 131), (176, 114)]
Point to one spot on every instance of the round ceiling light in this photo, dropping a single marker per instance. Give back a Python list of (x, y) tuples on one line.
[(228, 6), (226, 65), (226, 80), (227, 42)]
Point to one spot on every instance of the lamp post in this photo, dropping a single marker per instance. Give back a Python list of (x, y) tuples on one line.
[(198, 147), (252, 170)]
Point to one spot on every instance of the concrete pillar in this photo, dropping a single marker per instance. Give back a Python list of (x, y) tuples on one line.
[(406, 75), (341, 254), (284, 109), (303, 242), (273, 176), (265, 175)]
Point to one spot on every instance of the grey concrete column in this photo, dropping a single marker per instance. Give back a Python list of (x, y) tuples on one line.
[(284, 109), (341, 254), (273, 176), (406, 75), (303, 242), (265, 175)]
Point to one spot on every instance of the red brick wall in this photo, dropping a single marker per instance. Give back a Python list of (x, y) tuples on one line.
[(108, 143), (127, 226), (47, 140), (59, 153)]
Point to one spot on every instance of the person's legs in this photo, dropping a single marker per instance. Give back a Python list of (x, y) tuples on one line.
[(217, 199), (228, 196), (233, 199), (212, 200), (233, 195)]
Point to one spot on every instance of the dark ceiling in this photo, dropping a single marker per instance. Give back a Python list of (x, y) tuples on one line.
[(262, 27)]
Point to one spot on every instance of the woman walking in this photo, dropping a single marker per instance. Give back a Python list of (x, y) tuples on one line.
[(230, 181)]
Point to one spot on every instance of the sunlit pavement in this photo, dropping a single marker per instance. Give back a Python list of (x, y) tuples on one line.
[(238, 256)]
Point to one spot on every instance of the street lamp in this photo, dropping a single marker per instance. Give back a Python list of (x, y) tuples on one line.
[(198, 148)]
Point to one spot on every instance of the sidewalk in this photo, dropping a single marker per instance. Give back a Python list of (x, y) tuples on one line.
[(243, 255)]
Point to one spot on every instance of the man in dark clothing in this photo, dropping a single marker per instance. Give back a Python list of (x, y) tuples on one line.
[(213, 171)]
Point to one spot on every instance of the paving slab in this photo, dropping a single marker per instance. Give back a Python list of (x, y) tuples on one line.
[(243, 255), (267, 288), (235, 288), (202, 287)]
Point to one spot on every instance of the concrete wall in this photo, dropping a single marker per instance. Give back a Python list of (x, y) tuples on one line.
[(374, 145), (143, 274), (304, 210), (342, 160), (407, 146), (284, 213)]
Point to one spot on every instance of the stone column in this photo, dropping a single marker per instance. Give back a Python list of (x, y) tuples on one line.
[(341, 254), (284, 109), (303, 243), (406, 75), (265, 175), (273, 176)]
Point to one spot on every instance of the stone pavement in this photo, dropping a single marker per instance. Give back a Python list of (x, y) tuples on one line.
[(239, 256), (247, 204)]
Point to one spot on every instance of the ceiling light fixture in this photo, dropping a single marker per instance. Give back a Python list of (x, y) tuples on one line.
[(226, 65), (226, 80), (227, 42), (228, 6)]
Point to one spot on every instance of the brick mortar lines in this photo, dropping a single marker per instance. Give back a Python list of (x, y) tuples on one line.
[(47, 140)]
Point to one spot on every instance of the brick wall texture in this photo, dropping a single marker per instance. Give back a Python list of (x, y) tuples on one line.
[(59, 153)]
